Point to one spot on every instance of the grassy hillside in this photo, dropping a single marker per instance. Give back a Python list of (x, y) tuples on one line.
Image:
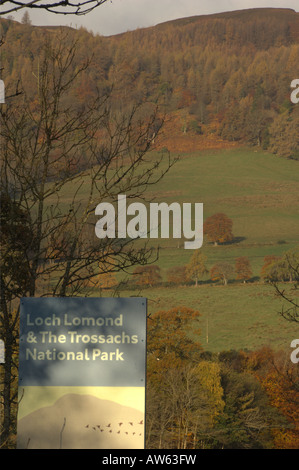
[(259, 192)]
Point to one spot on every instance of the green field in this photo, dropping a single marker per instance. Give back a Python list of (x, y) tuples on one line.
[(259, 192), (233, 317)]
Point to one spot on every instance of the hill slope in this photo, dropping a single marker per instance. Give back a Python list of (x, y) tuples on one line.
[(220, 78)]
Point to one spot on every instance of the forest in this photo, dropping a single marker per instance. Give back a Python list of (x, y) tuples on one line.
[(226, 77), (99, 116)]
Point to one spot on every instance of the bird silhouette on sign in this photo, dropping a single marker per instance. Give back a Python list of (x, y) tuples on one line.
[(141, 422), (87, 426), (120, 424), (130, 422), (108, 425)]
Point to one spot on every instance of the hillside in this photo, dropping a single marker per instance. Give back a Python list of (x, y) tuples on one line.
[(223, 79)]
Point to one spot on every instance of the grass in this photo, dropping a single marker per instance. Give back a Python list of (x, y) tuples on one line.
[(236, 316)]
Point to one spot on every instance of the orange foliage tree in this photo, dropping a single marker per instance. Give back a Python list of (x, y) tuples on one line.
[(184, 394), (178, 275), (243, 268), (279, 378), (218, 228), (268, 272), (168, 334), (147, 275)]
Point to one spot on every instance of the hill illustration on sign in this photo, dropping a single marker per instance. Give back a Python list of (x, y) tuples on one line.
[(80, 421)]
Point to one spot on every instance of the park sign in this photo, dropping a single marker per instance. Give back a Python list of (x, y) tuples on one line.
[(82, 373)]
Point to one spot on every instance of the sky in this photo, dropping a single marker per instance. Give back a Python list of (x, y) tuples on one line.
[(118, 16)]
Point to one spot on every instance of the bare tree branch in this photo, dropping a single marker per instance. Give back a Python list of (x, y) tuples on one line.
[(60, 157), (288, 268), (65, 7)]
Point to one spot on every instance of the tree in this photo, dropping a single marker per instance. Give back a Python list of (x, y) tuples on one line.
[(26, 18), (279, 378), (243, 268), (269, 271), (184, 406), (284, 135), (178, 275), (244, 422), (222, 271), (196, 267), (218, 228), (289, 265), (168, 337), (59, 6), (50, 245), (171, 355), (104, 281), (147, 276)]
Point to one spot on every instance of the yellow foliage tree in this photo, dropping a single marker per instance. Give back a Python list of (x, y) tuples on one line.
[(196, 267)]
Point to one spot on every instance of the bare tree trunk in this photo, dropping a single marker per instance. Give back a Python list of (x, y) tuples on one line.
[(54, 241)]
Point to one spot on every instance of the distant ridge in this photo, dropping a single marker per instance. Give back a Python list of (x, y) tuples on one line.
[(243, 15), (283, 14)]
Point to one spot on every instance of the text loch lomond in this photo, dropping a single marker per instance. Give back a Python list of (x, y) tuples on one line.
[(67, 320)]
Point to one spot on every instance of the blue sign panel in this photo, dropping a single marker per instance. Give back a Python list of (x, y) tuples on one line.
[(83, 342)]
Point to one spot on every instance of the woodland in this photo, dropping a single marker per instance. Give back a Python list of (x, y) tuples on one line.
[(226, 77), (212, 82)]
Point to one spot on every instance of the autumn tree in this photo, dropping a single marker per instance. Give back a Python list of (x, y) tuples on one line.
[(243, 269), (196, 267), (147, 276), (103, 281), (288, 267), (178, 275), (269, 271), (244, 422), (183, 408), (279, 378), (170, 347), (284, 139), (222, 271), (168, 334), (218, 228)]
